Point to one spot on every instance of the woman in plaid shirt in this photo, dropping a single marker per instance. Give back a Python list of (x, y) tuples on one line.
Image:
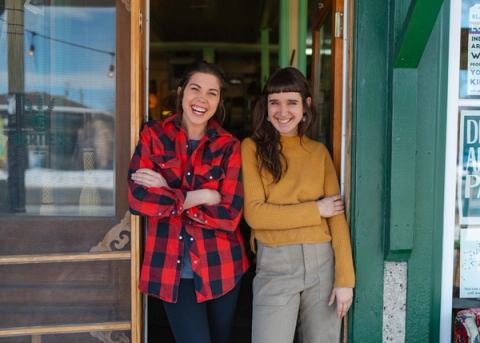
[(185, 177)]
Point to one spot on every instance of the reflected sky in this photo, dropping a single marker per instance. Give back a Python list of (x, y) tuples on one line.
[(64, 70)]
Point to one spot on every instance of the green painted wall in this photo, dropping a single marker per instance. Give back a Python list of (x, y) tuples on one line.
[(370, 88), (380, 105), (424, 265)]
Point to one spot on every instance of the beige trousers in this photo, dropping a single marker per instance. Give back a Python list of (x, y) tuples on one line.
[(293, 283)]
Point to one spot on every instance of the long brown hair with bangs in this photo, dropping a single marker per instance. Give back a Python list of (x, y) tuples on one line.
[(266, 137)]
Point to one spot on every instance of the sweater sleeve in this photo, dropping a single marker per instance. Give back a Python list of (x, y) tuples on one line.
[(344, 271), (260, 214)]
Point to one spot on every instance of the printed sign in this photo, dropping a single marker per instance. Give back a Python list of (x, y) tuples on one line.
[(473, 70), (469, 168), (470, 263)]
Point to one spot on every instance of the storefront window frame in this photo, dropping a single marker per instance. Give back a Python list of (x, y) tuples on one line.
[(454, 104)]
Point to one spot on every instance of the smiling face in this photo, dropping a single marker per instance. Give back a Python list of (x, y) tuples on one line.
[(201, 97), (285, 111)]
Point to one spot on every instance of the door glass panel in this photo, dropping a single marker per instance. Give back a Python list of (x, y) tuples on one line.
[(323, 86), (57, 122), (64, 293)]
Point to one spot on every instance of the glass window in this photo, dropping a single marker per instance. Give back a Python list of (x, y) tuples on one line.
[(466, 275), (466, 283), (57, 109), (323, 81), (470, 50)]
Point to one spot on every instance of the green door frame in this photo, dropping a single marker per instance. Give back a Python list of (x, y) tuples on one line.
[(398, 138)]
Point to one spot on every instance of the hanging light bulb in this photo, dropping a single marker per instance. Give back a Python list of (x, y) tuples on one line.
[(31, 51), (111, 69)]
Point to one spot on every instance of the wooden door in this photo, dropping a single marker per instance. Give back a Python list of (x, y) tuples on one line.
[(331, 79), (68, 117), (327, 74)]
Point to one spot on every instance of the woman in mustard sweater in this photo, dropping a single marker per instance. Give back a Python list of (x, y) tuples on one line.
[(292, 203)]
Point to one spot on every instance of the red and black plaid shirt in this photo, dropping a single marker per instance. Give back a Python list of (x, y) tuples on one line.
[(217, 251)]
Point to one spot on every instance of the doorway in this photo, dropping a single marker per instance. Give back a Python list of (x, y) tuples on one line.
[(181, 32)]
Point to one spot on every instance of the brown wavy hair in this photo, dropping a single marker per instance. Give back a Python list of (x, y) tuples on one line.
[(206, 68), (266, 137)]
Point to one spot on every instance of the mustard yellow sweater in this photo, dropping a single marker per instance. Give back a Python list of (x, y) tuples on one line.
[(286, 212)]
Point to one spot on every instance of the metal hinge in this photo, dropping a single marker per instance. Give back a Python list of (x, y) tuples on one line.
[(338, 24), (140, 21)]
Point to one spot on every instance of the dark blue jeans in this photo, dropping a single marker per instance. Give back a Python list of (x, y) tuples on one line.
[(207, 322)]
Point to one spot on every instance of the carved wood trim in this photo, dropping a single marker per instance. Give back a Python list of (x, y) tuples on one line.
[(116, 238)]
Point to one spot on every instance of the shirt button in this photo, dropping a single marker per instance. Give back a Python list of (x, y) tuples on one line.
[(191, 239), (195, 262), (210, 177), (180, 238), (188, 211), (186, 146), (195, 215), (173, 212), (189, 173), (178, 261), (159, 213), (162, 165)]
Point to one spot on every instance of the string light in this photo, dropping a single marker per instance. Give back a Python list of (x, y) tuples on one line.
[(111, 69), (31, 51)]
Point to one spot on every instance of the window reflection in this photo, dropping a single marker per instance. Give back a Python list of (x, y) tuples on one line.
[(57, 110), (470, 50), (324, 81), (466, 283)]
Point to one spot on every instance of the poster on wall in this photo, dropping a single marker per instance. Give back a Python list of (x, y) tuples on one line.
[(473, 72), (470, 263), (469, 168)]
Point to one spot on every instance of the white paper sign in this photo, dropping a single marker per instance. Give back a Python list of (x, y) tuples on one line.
[(468, 171), (473, 70), (470, 263)]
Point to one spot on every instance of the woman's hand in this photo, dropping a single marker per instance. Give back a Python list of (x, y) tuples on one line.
[(149, 178), (344, 298), (211, 197), (330, 206), (202, 197)]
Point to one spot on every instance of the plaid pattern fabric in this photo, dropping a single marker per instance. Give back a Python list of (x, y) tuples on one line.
[(217, 251)]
